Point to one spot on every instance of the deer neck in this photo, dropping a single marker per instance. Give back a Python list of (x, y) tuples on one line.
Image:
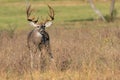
[(37, 33)]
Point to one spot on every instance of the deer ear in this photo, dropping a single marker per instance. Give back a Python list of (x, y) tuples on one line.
[(48, 24)]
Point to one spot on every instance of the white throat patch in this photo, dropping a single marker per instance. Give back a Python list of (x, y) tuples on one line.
[(38, 34)]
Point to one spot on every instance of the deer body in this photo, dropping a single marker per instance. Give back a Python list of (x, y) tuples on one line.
[(35, 37), (40, 39), (38, 36)]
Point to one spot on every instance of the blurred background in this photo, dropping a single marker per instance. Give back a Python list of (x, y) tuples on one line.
[(85, 40)]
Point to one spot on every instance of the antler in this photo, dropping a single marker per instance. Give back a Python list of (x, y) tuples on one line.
[(32, 20), (51, 14)]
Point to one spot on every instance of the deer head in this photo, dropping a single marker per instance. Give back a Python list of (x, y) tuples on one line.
[(35, 21)]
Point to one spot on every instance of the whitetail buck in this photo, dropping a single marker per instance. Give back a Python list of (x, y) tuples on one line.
[(38, 36)]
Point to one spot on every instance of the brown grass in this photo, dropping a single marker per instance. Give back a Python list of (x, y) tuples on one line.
[(82, 53)]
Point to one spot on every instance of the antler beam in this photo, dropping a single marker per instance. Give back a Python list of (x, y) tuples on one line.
[(31, 20)]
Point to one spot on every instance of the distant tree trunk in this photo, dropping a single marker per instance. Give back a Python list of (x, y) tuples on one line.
[(112, 9), (96, 10)]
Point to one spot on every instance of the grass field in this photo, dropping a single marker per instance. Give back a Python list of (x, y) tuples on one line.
[(66, 11), (84, 48)]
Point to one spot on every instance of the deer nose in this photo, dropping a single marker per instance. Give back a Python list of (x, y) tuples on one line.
[(42, 29)]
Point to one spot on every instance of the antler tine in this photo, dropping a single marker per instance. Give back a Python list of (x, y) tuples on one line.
[(51, 12), (29, 11)]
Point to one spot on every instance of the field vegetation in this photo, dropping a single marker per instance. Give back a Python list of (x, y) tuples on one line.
[(84, 47)]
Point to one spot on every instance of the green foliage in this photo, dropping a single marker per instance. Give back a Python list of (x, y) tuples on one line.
[(111, 18)]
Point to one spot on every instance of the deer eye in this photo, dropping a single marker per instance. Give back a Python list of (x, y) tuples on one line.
[(37, 26)]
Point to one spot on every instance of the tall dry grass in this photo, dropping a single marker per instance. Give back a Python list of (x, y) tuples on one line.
[(80, 54)]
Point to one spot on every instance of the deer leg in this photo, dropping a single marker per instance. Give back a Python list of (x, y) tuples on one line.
[(31, 55), (49, 51), (40, 56), (53, 63), (31, 59)]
